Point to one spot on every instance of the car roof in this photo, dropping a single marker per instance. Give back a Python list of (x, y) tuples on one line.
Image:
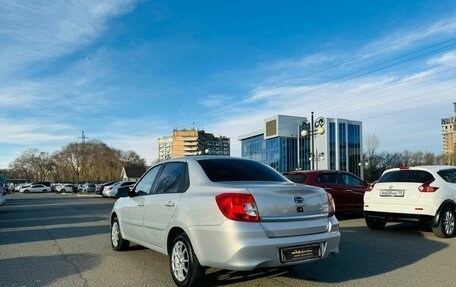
[(431, 168)]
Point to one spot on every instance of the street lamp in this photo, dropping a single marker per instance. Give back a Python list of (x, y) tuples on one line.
[(314, 127)]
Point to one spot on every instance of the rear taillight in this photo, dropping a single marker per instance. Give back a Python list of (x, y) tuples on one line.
[(370, 187), (109, 188), (426, 187), (331, 205), (238, 206)]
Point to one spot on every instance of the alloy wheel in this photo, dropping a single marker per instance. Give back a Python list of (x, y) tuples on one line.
[(448, 222), (180, 261), (115, 233)]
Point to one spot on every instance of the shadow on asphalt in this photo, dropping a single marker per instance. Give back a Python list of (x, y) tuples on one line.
[(32, 222), (363, 253), (26, 236), (43, 270)]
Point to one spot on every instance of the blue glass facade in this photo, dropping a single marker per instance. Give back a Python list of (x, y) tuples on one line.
[(354, 149), (342, 146), (339, 147), (332, 146), (279, 153)]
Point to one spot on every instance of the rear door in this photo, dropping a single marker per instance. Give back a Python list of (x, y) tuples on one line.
[(160, 206), (332, 183), (355, 190)]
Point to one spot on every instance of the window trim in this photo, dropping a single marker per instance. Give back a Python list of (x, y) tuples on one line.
[(338, 176), (184, 185), (133, 192), (353, 175)]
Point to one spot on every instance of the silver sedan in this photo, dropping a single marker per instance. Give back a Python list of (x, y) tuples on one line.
[(223, 212)]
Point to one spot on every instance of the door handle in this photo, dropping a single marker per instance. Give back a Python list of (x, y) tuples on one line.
[(349, 189), (170, 204), (328, 188), (141, 204)]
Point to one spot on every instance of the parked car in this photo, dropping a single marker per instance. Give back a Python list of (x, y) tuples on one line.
[(2, 195), (346, 188), (66, 188), (35, 188), (18, 187), (425, 194), (111, 190), (100, 187), (228, 213), (3, 190), (88, 187)]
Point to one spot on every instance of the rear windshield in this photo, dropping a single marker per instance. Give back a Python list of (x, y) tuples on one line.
[(238, 170), (449, 175), (417, 176), (296, 177)]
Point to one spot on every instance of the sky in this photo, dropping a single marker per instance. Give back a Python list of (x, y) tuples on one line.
[(127, 72)]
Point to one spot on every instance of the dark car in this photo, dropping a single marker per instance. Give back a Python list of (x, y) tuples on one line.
[(100, 187), (346, 188)]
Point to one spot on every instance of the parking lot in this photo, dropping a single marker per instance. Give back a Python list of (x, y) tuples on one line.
[(64, 240)]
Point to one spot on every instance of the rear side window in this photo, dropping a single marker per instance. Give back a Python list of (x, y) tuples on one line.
[(296, 177), (448, 175), (331, 178), (416, 176), (238, 170), (173, 178)]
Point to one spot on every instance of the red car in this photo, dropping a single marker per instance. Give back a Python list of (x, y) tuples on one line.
[(346, 188)]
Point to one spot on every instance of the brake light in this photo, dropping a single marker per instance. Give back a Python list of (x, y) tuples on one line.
[(238, 206), (109, 188), (404, 168), (370, 187), (331, 205), (426, 187)]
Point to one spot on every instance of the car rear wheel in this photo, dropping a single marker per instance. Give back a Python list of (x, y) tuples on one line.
[(376, 224), (184, 265), (446, 225)]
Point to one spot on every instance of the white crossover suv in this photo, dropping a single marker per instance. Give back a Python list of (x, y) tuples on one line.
[(425, 194), (223, 212)]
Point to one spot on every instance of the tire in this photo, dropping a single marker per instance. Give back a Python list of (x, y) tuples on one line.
[(446, 225), (26, 191), (117, 242), (375, 224), (183, 257), (62, 190)]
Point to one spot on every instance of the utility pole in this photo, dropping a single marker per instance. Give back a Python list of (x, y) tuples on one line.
[(83, 138)]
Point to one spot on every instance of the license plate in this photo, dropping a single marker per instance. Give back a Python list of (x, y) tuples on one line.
[(392, 193), (298, 253)]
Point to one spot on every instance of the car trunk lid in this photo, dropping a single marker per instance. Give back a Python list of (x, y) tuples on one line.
[(288, 209)]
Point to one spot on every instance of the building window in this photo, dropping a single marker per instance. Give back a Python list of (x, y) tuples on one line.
[(332, 146), (342, 146)]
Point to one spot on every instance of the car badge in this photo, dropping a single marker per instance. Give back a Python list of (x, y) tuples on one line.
[(299, 200), (391, 187)]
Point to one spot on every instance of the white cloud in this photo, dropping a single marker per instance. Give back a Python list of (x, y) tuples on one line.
[(212, 101), (41, 30), (447, 59), (34, 131)]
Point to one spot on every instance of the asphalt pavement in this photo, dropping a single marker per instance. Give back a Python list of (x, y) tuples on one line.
[(64, 240)]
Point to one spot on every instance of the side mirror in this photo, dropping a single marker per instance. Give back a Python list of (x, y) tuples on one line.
[(122, 192)]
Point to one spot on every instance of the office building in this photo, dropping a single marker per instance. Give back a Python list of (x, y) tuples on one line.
[(165, 147), (187, 142), (338, 147), (449, 133)]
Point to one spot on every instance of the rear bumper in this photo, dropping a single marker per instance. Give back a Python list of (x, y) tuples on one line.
[(109, 193), (245, 246), (399, 217)]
